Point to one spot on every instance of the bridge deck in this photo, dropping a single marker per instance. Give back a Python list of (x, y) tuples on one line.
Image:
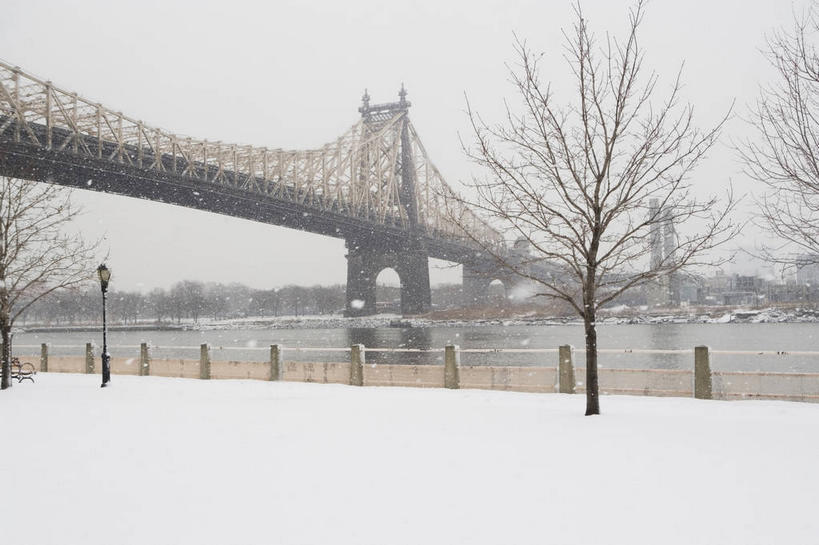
[(283, 208)]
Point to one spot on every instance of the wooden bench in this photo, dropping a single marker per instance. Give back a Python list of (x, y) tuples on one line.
[(22, 371)]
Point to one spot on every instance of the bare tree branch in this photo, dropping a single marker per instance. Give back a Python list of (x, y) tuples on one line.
[(784, 155)]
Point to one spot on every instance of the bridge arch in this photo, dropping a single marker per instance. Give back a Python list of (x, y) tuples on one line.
[(497, 289), (484, 290), (387, 298), (484, 283), (367, 260), (388, 276)]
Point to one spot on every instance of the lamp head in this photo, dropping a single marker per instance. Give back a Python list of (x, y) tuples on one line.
[(105, 275)]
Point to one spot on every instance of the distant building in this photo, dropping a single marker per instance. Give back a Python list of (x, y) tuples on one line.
[(734, 289), (689, 291), (807, 269)]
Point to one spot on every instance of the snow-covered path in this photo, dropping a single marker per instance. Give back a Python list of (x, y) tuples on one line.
[(174, 461)]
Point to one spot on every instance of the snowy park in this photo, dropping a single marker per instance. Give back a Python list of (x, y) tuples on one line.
[(164, 460), (372, 273)]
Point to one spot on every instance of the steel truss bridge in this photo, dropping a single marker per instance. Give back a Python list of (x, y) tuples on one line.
[(373, 186)]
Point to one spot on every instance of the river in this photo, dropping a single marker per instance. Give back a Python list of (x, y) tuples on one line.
[(251, 344)]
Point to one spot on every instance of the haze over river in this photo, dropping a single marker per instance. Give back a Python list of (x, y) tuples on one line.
[(253, 344)]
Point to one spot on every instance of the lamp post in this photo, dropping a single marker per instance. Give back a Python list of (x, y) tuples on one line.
[(105, 275)]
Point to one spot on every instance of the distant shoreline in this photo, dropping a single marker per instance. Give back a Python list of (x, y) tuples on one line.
[(90, 328), (770, 315)]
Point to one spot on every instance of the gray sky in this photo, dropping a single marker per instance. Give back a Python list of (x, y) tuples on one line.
[(291, 75)]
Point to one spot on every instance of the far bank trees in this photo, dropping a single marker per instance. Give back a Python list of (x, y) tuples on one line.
[(588, 182)]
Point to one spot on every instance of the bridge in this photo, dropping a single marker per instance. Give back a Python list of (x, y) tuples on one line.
[(374, 186)]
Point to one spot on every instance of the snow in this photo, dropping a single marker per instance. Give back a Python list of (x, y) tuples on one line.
[(158, 460)]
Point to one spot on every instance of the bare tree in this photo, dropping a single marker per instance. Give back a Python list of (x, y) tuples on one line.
[(587, 184), (36, 255), (785, 153)]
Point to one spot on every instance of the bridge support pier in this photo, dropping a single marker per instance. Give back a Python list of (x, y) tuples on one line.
[(478, 276), (366, 261)]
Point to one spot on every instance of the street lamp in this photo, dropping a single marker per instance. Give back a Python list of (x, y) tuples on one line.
[(105, 275)]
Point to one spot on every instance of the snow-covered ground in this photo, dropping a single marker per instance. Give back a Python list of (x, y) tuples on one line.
[(174, 461)]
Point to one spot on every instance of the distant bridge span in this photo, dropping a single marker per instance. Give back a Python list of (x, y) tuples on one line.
[(374, 186)]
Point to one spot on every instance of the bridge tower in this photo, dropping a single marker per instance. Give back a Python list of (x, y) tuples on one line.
[(368, 255)]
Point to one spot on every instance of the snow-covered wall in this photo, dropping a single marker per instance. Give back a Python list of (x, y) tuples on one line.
[(650, 382)]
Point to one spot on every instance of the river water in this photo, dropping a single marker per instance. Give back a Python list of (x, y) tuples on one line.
[(253, 344)]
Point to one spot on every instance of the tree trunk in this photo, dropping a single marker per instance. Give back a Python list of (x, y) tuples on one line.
[(5, 382), (592, 387)]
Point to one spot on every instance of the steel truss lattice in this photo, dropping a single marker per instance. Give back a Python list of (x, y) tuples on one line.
[(358, 175)]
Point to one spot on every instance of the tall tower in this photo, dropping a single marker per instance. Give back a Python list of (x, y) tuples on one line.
[(368, 255), (663, 242), (656, 237), (375, 117), (670, 243)]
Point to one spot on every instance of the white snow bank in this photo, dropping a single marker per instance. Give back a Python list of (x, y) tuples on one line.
[(157, 460)]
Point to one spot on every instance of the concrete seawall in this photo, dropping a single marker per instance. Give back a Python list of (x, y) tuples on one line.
[(544, 379)]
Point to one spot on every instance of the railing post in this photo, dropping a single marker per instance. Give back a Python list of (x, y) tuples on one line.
[(357, 358), (89, 358), (44, 358), (452, 361), (144, 360), (204, 362), (565, 375), (702, 373), (275, 361)]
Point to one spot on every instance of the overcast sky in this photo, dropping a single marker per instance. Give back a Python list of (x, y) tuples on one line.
[(291, 75)]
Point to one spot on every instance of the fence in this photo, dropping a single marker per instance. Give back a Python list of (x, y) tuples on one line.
[(563, 377)]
